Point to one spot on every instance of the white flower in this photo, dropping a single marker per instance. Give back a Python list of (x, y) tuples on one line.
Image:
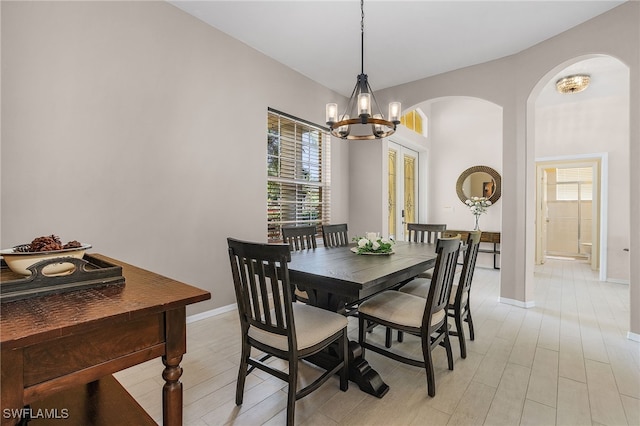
[(375, 245), (362, 242), (478, 205)]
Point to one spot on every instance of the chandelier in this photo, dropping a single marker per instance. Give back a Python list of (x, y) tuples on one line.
[(573, 83), (366, 126)]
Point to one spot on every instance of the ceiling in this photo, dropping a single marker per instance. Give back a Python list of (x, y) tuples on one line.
[(404, 40)]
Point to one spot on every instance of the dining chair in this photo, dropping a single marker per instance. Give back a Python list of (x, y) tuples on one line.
[(425, 318), (271, 323), (300, 238), (459, 308), (425, 233), (335, 235)]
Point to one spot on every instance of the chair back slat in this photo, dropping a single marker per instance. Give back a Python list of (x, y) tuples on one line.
[(261, 282), (425, 232), (300, 237), (469, 265), (442, 280), (335, 235)]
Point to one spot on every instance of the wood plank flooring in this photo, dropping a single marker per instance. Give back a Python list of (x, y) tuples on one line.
[(566, 362)]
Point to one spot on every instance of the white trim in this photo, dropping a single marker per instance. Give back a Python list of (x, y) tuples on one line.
[(518, 303), (633, 336), (211, 313), (618, 281), (604, 199)]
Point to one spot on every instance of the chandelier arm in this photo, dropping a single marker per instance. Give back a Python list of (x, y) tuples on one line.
[(375, 101), (351, 103)]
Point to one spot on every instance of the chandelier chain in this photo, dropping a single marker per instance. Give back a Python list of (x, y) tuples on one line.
[(361, 36)]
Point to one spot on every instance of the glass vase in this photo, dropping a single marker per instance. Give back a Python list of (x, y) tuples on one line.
[(477, 226)]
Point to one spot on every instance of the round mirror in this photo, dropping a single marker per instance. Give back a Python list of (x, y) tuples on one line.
[(479, 181)]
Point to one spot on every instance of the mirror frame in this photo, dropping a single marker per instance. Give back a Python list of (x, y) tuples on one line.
[(484, 169)]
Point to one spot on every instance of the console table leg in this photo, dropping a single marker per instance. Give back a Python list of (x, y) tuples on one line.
[(172, 392)]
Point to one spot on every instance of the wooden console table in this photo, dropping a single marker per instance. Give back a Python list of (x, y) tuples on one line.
[(492, 238), (61, 348)]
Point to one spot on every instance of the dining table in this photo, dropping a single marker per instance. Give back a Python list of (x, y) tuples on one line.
[(338, 278)]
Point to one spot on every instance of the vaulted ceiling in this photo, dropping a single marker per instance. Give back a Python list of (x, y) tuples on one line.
[(404, 40)]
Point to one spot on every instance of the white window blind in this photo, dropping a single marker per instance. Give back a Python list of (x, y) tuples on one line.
[(574, 184), (298, 174)]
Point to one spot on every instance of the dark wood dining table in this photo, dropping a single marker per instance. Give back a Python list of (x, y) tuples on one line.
[(336, 278)]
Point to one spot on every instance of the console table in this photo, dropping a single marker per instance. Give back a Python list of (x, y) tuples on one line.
[(488, 237), (62, 349)]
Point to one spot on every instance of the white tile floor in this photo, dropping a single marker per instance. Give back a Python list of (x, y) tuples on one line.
[(566, 362)]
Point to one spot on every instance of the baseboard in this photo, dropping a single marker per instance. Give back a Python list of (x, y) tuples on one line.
[(211, 313), (633, 336), (518, 303), (617, 281)]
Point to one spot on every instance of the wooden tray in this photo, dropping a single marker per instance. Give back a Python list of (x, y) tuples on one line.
[(89, 272)]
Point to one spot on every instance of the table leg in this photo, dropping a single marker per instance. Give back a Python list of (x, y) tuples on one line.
[(176, 346), (360, 372), (172, 391)]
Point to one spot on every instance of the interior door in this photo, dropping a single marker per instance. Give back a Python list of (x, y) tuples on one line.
[(542, 216), (403, 189), (568, 215)]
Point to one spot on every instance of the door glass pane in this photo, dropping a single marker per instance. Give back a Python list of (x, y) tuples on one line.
[(409, 189), (392, 193), (563, 219)]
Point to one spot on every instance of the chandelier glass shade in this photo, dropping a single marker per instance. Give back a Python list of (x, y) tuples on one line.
[(365, 124), (573, 83)]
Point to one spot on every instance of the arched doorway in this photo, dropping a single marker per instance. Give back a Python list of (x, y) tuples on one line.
[(592, 125)]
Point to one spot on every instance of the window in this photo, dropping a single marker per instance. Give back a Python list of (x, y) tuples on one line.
[(298, 174), (414, 120), (574, 184)]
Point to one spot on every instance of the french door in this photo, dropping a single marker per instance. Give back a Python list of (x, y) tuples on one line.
[(403, 189)]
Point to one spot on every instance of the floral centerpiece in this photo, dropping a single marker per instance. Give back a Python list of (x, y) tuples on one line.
[(372, 243), (478, 206)]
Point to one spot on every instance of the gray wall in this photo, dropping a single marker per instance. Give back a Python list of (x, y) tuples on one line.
[(139, 129), (513, 84), (136, 127)]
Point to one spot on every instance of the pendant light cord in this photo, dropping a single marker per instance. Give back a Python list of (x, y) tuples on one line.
[(361, 36)]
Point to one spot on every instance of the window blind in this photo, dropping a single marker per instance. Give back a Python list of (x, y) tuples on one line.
[(574, 184), (298, 174)]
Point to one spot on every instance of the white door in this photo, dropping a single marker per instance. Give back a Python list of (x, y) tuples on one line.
[(403, 189)]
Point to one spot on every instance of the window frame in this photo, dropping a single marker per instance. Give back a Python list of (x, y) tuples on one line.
[(298, 167)]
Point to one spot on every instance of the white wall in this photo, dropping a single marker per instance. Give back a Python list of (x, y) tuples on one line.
[(465, 132), (141, 130), (512, 83), (595, 126)]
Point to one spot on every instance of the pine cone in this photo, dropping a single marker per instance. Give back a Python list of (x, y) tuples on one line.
[(72, 244), (48, 243)]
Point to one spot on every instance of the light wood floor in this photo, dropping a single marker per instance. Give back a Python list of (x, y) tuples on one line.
[(566, 362)]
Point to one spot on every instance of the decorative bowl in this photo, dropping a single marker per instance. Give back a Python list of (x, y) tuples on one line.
[(19, 262)]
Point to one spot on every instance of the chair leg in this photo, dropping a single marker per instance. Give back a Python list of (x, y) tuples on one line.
[(362, 332), (344, 374), (242, 372), (428, 366), (400, 336), (460, 334), (472, 335), (291, 394), (447, 346), (388, 337)]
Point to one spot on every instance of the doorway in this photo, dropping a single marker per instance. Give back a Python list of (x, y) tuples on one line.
[(403, 189), (568, 219)]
